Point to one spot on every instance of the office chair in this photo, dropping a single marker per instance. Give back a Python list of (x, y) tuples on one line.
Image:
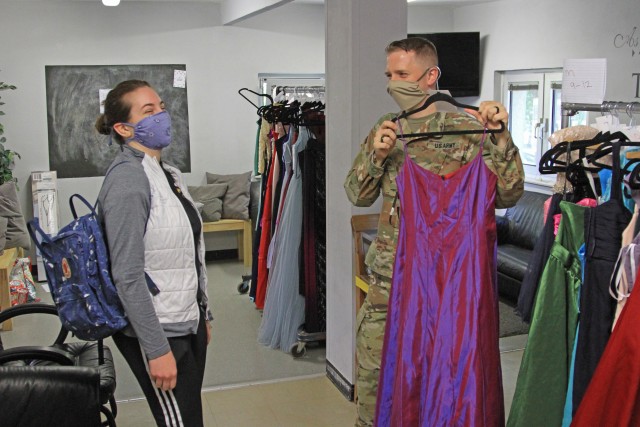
[(64, 384)]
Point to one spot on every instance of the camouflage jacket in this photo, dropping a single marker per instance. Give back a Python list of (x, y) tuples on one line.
[(366, 180)]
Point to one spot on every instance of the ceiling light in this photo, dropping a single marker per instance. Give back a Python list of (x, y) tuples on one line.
[(110, 2)]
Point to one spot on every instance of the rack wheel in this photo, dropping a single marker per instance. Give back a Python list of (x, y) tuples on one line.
[(243, 287), (298, 350)]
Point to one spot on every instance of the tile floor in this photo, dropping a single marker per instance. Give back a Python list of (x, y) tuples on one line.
[(245, 383), (312, 401)]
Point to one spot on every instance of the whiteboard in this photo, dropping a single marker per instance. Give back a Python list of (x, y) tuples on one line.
[(76, 149)]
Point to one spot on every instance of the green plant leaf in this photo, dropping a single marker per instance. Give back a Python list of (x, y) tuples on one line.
[(7, 157)]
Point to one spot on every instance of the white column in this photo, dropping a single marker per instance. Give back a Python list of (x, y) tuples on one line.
[(356, 35)]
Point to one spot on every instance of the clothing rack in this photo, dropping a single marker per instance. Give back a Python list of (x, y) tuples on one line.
[(570, 109), (299, 92)]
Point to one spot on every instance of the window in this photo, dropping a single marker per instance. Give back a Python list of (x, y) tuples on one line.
[(534, 99)]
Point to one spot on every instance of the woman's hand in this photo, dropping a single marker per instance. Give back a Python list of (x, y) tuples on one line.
[(164, 372), (208, 323)]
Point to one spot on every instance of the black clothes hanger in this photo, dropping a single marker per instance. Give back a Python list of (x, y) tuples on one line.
[(551, 163), (438, 96), (575, 172), (255, 93), (446, 98), (288, 113), (605, 143)]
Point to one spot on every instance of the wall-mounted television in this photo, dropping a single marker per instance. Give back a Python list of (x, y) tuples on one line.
[(459, 60)]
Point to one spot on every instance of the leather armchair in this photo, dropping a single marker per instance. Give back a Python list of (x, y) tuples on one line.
[(518, 230), (49, 395), (64, 384)]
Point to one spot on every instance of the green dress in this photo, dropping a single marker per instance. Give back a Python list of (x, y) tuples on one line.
[(542, 381)]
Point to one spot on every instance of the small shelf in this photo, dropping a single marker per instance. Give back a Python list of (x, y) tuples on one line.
[(7, 259)]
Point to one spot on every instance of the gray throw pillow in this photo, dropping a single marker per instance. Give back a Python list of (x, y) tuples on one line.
[(235, 203), (208, 192), (17, 235), (212, 210), (4, 222)]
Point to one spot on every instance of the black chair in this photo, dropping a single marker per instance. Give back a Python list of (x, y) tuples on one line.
[(64, 384)]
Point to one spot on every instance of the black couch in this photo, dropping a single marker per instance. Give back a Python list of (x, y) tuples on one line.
[(518, 229)]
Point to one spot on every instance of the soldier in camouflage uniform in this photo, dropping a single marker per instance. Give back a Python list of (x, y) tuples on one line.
[(375, 169)]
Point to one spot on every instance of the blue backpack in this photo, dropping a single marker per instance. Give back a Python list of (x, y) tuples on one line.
[(76, 263)]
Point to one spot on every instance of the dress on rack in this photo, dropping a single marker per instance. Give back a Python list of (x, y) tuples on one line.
[(604, 225), (265, 239), (613, 395), (312, 282), (626, 269), (284, 306), (538, 261), (544, 372), (441, 362)]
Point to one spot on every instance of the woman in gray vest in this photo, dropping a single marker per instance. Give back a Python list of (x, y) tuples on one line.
[(154, 234)]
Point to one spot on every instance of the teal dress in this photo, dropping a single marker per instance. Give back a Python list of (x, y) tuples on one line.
[(544, 373)]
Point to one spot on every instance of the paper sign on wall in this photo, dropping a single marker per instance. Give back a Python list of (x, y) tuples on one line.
[(102, 95), (179, 78), (584, 80)]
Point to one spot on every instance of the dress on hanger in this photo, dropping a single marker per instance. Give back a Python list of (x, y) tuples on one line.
[(542, 248), (441, 362), (604, 225), (284, 306), (538, 261), (312, 282), (544, 372), (613, 395), (626, 268), (265, 235)]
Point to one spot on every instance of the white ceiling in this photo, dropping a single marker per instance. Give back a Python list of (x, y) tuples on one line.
[(415, 2)]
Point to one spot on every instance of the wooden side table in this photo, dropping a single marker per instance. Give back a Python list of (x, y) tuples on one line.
[(7, 259)]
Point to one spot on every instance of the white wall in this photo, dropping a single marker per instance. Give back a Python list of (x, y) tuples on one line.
[(429, 19), (526, 34), (220, 60)]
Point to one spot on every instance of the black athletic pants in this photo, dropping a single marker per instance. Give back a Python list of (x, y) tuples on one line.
[(181, 406)]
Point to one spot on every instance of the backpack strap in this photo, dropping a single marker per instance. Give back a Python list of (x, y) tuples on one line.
[(92, 208), (34, 228), (83, 200)]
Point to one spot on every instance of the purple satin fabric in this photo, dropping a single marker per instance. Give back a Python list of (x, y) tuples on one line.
[(441, 360)]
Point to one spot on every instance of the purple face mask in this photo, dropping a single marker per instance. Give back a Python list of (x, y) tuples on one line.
[(153, 132)]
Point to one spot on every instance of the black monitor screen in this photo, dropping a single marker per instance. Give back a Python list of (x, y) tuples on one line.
[(459, 60)]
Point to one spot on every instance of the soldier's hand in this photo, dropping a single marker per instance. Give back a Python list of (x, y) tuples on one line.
[(384, 140), (492, 114)]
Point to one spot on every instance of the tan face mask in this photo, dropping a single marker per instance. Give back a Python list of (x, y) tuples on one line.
[(408, 95)]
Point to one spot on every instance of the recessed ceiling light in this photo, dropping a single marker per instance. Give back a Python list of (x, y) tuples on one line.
[(110, 2)]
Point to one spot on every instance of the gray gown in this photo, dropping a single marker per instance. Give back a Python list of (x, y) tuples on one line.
[(284, 306)]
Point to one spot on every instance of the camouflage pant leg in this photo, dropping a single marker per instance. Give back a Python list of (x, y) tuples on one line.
[(371, 321)]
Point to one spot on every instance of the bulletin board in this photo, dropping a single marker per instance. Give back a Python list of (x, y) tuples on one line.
[(76, 149)]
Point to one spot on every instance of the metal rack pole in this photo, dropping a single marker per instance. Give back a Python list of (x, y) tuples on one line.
[(570, 109)]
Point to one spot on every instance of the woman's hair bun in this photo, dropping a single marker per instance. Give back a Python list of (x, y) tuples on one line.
[(101, 125)]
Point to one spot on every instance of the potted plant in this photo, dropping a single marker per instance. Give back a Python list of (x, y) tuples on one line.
[(13, 229), (7, 157)]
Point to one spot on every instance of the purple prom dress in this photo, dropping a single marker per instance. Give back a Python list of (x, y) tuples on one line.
[(441, 360)]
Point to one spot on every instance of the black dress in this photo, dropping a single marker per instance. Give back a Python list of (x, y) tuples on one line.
[(603, 227)]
